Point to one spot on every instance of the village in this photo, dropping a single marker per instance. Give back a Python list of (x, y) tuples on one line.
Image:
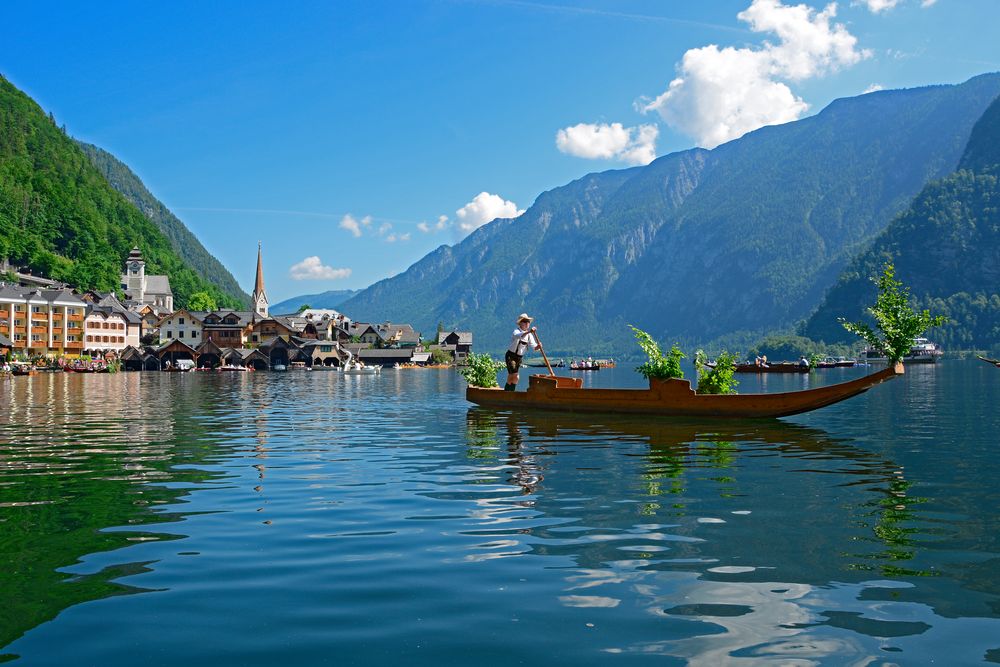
[(51, 325)]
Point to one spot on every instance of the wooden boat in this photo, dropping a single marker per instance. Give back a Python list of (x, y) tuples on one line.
[(22, 369), (671, 398), (995, 362), (783, 367)]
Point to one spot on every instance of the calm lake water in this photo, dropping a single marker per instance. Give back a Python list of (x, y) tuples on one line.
[(313, 519)]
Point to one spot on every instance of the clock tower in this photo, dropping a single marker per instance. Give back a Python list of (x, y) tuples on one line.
[(135, 272)]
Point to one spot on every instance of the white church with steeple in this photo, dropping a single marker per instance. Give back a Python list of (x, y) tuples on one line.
[(259, 296)]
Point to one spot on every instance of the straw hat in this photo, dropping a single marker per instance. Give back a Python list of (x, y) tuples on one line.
[(524, 316)]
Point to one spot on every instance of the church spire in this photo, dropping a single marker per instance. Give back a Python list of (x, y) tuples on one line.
[(259, 297)]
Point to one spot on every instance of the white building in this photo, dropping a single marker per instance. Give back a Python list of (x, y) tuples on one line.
[(142, 289), (182, 325)]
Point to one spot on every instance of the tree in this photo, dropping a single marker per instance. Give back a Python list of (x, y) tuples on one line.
[(303, 307), (895, 318), (202, 301)]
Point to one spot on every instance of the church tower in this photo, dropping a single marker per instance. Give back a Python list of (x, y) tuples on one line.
[(259, 297), (135, 275)]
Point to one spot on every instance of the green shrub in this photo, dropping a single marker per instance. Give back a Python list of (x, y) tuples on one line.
[(481, 370), (717, 380), (897, 322), (658, 365), (439, 356)]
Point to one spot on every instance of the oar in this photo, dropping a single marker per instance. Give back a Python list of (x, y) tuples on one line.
[(542, 350)]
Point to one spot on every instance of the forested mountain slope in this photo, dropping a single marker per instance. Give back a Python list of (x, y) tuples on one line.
[(184, 243), (945, 246), (60, 217), (698, 244)]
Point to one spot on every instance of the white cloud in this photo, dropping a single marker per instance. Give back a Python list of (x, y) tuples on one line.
[(384, 228), (311, 268), (483, 208), (353, 225), (927, 3), (878, 6), (442, 223), (723, 93), (402, 238), (875, 87), (634, 145)]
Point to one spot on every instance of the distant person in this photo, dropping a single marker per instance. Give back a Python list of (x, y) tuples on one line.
[(522, 338), (804, 362), (763, 360)]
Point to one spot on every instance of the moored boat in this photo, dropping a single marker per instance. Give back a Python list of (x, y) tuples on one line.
[(995, 362), (922, 351), (781, 367), (671, 398)]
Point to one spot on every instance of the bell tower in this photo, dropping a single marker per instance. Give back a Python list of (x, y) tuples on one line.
[(135, 275), (259, 297)]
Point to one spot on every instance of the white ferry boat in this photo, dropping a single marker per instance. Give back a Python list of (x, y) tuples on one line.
[(923, 351)]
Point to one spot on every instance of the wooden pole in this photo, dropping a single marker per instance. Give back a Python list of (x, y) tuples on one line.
[(542, 350)]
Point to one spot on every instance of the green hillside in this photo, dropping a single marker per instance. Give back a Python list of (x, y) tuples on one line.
[(184, 243), (60, 217), (945, 246), (698, 245)]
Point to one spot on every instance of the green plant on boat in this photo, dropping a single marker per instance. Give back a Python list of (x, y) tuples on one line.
[(895, 318), (719, 379), (481, 370), (658, 365)]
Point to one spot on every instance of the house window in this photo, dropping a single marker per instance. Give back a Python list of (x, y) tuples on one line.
[(180, 334), (180, 320), (36, 309), (170, 334), (35, 338), (70, 339)]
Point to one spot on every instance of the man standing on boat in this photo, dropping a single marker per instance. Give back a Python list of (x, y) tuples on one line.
[(522, 338)]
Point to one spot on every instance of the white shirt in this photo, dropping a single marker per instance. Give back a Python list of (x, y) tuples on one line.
[(521, 340)]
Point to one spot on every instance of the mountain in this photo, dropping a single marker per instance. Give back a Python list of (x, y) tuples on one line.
[(945, 247), (330, 299), (697, 245), (184, 243), (60, 216)]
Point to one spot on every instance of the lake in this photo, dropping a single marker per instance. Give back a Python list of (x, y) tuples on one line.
[(313, 519)]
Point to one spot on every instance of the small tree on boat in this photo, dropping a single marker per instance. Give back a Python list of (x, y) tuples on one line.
[(718, 379), (658, 365), (481, 370), (896, 320)]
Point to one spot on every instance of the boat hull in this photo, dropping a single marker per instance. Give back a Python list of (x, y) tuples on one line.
[(671, 398)]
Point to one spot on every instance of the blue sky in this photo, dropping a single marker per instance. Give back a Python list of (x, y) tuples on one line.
[(422, 119)]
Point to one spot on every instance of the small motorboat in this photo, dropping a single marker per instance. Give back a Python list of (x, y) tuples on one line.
[(995, 362), (22, 369), (232, 369), (279, 367)]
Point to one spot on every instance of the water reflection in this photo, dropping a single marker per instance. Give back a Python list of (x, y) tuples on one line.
[(699, 534), (366, 517)]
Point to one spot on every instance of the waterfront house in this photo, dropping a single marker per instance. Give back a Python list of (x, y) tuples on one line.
[(228, 328), (182, 325), (105, 331), (459, 343), (42, 321)]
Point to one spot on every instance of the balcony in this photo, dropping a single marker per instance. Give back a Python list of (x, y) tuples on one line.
[(39, 330), (4, 314), (20, 330)]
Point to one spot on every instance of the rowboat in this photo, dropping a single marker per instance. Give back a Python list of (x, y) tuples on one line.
[(784, 367), (671, 398), (995, 362)]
